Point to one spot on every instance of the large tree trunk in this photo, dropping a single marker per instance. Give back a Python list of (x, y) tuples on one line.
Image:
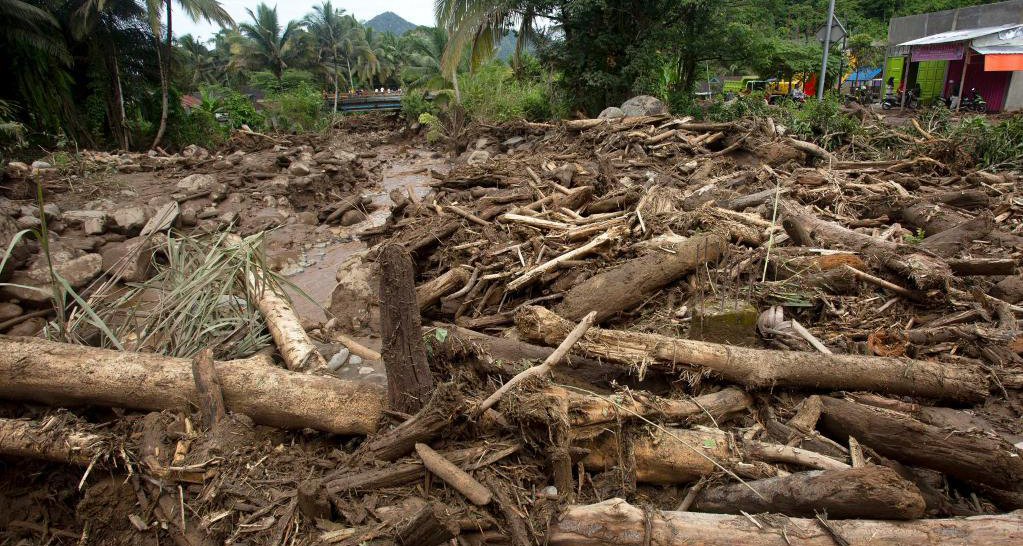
[(935, 218), (763, 368), (975, 457), (615, 522), (163, 96), (66, 375), (867, 492), (408, 374), (630, 284), (925, 271)]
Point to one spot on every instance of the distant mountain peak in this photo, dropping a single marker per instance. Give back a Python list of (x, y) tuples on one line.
[(389, 21)]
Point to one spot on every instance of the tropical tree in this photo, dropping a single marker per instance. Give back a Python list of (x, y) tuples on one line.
[(196, 61), (425, 70), (269, 46), (355, 51), (385, 48), (226, 57), (324, 25), (34, 52)]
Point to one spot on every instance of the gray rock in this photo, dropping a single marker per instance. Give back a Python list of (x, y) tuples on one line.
[(77, 272), (344, 157), (40, 164), (9, 311), (196, 182), (308, 218), (478, 157), (51, 210), (355, 360), (131, 259), (366, 370), (229, 217), (611, 112), (299, 168), (130, 219), (513, 141), (643, 105), (93, 222), (236, 157), (29, 222), (481, 143), (28, 210), (338, 359), (28, 328), (351, 218)]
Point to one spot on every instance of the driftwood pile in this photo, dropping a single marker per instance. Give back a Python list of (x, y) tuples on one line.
[(639, 331)]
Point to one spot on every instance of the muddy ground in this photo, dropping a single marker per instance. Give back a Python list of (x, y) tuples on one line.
[(753, 294)]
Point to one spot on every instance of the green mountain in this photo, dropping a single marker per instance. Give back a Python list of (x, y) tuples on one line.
[(389, 21)]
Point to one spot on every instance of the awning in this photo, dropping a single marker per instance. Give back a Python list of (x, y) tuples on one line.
[(1003, 63), (959, 35), (999, 49), (864, 74)]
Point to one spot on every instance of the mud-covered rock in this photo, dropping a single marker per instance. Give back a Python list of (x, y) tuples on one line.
[(9, 311), (299, 168), (29, 327), (196, 182), (132, 259), (93, 222), (130, 220)]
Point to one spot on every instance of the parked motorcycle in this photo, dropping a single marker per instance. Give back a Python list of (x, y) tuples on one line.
[(895, 101), (974, 102)]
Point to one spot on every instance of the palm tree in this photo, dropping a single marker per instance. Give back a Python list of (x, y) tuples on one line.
[(425, 54), (227, 61), (324, 26), (33, 45), (480, 24), (209, 10), (196, 61), (354, 50), (270, 46), (384, 46)]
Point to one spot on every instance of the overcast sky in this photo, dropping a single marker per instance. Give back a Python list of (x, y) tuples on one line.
[(419, 12)]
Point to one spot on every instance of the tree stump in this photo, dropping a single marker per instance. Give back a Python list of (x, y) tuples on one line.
[(409, 382)]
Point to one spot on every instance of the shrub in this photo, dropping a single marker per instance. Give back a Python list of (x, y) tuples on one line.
[(300, 109), (239, 109), (493, 94), (822, 121), (992, 145), (414, 104), (291, 79)]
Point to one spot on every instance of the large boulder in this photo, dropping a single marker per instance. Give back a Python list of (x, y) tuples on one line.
[(132, 260), (643, 105), (77, 272), (130, 220), (611, 112), (93, 222)]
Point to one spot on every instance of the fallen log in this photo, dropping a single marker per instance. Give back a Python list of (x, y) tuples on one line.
[(924, 270), (974, 457), (615, 522), (585, 409), (935, 218), (60, 374), (868, 492), (444, 406), (431, 292), (983, 266), (457, 478), (295, 345), (630, 284), (763, 368), (948, 243), (51, 440), (431, 526)]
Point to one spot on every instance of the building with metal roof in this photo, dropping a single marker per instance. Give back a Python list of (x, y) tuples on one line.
[(948, 53)]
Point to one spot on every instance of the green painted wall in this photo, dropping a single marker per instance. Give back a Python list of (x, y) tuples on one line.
[(893, 70), (931, 76)]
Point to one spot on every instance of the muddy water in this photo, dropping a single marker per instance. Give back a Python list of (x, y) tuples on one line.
[(317, 278)]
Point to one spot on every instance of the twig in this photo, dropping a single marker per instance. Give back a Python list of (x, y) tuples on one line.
[(862, 275), (454, 476), (467, 215), (559, 354)]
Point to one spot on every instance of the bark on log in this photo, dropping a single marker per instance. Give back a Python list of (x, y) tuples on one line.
[(43, 440), (751, 200), (585, 410), (292, 341), (444, 407), (764, 368), (66, 375), (925, 271), (429, 527), (983, 266), (934, 219), (948, 243), (869, 492), (617, 202), (964, 199), (631, 283), (614, 522), (431, 292), (409, 381), (457, 478), (974, 457)]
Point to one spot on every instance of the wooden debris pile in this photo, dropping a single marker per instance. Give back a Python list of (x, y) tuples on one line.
[(644, 331)]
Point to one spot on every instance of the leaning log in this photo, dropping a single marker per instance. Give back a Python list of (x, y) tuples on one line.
[(974, 457), (868, 492), (615, 522), (60, 374), (296, 348), (763, 368), (409, 381), (431, 292), (630, 284)]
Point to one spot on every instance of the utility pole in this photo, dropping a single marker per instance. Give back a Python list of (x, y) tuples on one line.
[(827, 46)]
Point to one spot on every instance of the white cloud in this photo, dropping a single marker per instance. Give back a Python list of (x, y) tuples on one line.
[(419, 12)]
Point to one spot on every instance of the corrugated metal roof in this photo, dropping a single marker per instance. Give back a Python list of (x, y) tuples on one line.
[(958, 35), (999, 50), (864, 74)]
